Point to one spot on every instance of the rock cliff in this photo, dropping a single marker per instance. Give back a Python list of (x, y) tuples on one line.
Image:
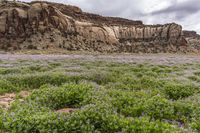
[(193, 39), (43, 25)]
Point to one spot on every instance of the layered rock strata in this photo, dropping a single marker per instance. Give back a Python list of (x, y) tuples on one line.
[(43, 25), (193, 39)]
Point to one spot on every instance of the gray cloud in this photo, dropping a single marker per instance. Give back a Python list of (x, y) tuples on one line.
[(181, 10), (191, 6)]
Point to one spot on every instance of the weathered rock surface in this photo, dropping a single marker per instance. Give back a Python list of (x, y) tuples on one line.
[(193, 39), (43, 25)]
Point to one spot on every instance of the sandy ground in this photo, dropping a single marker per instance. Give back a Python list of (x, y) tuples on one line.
[(8, 98), (138, 58)]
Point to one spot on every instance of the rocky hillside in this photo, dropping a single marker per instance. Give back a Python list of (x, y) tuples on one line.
[(43, 25), (193, 39)]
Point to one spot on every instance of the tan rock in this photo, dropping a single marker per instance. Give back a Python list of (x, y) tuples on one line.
[(42, 25)]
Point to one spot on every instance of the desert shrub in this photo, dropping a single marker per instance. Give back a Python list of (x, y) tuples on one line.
[(5, 71), (101, 78), (145, 125), (1, 119), (128, 103), (195, 124), (37, 122), (37, 68), (103, 119), (177, 91), (68, 95), (197, 73), (158, 108), (184, 111), (194, 78), (149, 82), (145, 82), (99, 118), (34, 81), (90, 118), (6, 86), (162, 69)]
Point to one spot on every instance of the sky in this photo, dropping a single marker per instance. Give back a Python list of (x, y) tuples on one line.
[(183, 12)]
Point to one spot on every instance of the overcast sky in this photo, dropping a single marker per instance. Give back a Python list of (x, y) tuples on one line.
[(184, 12)]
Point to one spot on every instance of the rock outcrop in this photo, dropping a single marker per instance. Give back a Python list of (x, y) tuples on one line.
[(43, 25), (193, 39)]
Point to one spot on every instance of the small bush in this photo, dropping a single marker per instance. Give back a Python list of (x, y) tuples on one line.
[(195, 124), (177, 91), (5, 71), (6, 86), (101, 78), (159, 108), (145, 125), (37, 80), (68, 95)]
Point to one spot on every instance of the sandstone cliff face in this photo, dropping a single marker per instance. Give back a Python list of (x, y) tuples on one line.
[(43, 25), (193, 39)]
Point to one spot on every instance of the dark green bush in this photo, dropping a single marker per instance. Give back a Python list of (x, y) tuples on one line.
[(69, 95), (5, 71), (158, 108), (195, 124), (91, 118), (34, 81), (102, 78), (37, 80), (145, 125), (6, 86), (177, 91), (1, 119)]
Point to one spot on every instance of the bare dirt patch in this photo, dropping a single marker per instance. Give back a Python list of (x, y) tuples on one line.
[(8, 98), (66, 110)]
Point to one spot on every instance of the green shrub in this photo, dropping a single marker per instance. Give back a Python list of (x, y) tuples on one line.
[(90, 118), (68, 95), (6, 86), (5, 71), (145, 125), (194, 78), (129, 103), (1, 119), (177, 91), (37, 122), (37, 80), (34, 81), (158, 108), (195, 124), (183, 111), (101, 78)]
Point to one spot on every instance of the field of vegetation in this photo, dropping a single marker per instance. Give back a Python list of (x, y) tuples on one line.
[(74, 95)]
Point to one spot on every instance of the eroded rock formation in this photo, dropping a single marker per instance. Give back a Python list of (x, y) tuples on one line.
[(193, 39), (43, 25)]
